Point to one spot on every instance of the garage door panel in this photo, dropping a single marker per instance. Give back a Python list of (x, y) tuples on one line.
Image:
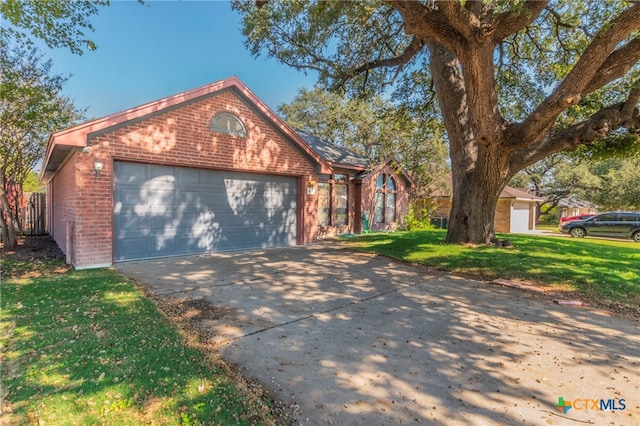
[(129, 226), (129, 196), (158, 197), (164, 211), (130, 173), (188, 196), (134, 248), (213, 198), (187, 176), (160, 171)]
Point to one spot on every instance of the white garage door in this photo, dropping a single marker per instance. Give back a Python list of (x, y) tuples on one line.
[(520, 217), (168, 211)]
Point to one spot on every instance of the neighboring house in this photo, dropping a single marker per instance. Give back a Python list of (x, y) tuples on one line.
[(515, 211), (210, 169), (570, 206)]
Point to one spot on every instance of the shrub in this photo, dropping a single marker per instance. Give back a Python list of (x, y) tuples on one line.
[(418, 217)]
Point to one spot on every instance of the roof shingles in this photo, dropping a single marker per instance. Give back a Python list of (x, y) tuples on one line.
[(333, 153)]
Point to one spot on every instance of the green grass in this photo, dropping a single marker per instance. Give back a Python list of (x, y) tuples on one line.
[(85, 347), (598, 269), (548, 227)]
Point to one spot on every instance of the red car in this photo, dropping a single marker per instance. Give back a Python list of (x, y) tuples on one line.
[(579, 217)]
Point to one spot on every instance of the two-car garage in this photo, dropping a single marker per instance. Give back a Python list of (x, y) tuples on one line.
[(168, 211), (207, 170)]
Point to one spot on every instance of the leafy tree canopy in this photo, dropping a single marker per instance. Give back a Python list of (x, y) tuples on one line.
[(32, 183), (59, 23), (31, 108), (374, 128), (619, 189), (514, 81), (31, 104)]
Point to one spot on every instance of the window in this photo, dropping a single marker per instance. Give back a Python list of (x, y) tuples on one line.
[(607, 218), (324, 204), (340, 193), (629, 217), (333, 200), (228, 124), (385, 202)]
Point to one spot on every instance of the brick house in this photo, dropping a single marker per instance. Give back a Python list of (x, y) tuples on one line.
[(210, 169), (515, 210)]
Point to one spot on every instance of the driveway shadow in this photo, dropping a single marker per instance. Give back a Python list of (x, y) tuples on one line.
[(361, 339)]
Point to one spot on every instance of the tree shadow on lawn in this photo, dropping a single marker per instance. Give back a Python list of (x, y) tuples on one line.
[(595, 269), (87, 348)]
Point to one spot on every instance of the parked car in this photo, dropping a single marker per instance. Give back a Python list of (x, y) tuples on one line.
[(610, 224), (579, 217)]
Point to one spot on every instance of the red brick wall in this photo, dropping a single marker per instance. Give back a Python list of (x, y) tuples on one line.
[(61, 199), (310, 210), (180, 137)]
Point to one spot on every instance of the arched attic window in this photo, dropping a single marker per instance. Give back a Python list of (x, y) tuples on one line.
[(228, 124)]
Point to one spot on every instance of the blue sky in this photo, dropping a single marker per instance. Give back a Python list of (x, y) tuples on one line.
[(147, 52)]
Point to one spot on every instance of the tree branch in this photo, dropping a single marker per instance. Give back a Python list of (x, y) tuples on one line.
[(412, 49), (425, 22), (514, 21), (615, 66), (599, 125), (460, 18), (452, 97), (558, 19), (569, 92), (475, 6), (632, 100)]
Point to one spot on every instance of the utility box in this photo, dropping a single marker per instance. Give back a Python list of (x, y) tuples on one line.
[(439, 222)]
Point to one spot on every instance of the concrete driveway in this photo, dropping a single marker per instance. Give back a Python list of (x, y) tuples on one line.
[(360, 339)]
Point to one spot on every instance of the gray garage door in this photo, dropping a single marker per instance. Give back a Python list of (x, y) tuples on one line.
[(168, 211)]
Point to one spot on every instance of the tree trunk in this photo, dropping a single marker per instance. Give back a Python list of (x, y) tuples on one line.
[(479, 171), (475, 197), (9, 235)]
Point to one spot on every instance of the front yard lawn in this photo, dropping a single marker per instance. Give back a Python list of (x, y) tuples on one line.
[(598, 270), (85, 347)]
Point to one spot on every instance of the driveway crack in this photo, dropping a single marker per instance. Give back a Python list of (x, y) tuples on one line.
[(317, 314)]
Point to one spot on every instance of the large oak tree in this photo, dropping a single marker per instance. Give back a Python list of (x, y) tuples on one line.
[(515, 81)]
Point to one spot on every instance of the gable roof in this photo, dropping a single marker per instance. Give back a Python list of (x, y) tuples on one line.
[(398, 170), (340, 156), (333, 153), (569, 202), (63, 143), (518, 194)]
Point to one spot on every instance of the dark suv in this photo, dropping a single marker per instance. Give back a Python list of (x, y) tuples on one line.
[(611, 224)]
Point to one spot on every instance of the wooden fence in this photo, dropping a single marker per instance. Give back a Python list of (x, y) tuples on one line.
[(34, 214)]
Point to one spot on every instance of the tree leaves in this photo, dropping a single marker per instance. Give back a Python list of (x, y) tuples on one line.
[(374, 128), (31, 107), (59, 23)]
